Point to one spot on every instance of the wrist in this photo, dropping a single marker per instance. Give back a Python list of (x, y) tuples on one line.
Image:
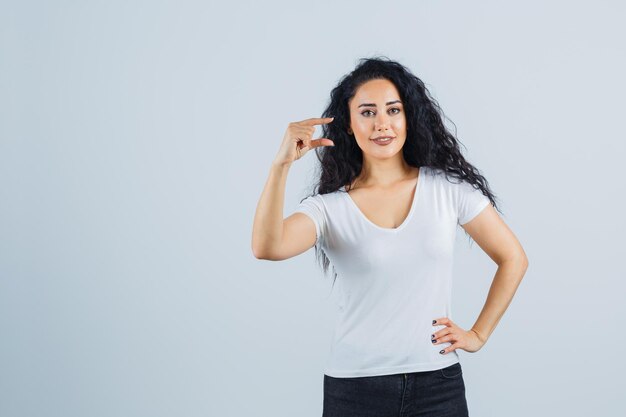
[(281, 166), (480, 337)]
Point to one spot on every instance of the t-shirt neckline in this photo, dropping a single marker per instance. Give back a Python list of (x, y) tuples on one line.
[(408, 217)]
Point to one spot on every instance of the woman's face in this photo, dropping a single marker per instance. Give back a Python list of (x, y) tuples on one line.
[(376, 110)]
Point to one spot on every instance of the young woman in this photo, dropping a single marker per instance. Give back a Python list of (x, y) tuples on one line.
[(393, 188)]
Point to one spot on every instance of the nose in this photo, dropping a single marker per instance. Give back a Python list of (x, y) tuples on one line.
[(382, 122)]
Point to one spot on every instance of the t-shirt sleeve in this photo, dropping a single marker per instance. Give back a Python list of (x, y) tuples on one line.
[(470, 202), (313, 206)]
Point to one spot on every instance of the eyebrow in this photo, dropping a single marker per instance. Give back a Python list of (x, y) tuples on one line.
[(374, 105)]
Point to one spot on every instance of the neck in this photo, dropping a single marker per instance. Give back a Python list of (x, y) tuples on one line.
[(385, 172)]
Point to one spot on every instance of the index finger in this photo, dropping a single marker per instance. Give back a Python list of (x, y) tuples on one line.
[(316, 121)]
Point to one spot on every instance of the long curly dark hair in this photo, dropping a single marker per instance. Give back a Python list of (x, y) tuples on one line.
[(428, 142)]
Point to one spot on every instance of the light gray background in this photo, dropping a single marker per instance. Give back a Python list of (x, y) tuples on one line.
[(136, 138)]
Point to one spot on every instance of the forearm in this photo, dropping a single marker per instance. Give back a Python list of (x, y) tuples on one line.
[(503, 288), (267, 229)]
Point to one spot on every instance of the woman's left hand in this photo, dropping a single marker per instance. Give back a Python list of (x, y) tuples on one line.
[(469, 340)]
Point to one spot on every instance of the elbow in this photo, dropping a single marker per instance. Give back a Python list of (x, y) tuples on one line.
[(521, 262), (256, 251), (523, 268), (518, 260), (259, 253), (257, 248)]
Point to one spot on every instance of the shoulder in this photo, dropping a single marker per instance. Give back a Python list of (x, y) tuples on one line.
[(436, 175), (315, 201), (433, 172), (443, 177), (321, 200), (448, 184)]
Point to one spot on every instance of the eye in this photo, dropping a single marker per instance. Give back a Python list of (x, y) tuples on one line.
[(393, 108)]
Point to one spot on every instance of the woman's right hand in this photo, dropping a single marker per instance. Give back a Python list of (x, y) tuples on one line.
[(297, 140)]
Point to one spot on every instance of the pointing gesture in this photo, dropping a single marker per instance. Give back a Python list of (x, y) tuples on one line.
[(297, 140)]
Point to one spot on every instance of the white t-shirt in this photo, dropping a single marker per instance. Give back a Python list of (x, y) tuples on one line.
[(392, 283)]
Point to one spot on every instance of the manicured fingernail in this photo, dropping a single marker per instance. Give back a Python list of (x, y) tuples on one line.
[(434, 321), (434, 340), (432, 336), (441, 351)]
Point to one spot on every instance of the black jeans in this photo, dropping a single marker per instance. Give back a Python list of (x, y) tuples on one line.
[(438, 393)]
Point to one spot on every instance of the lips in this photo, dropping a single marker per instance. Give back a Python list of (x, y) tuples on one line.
[(383, 140)]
